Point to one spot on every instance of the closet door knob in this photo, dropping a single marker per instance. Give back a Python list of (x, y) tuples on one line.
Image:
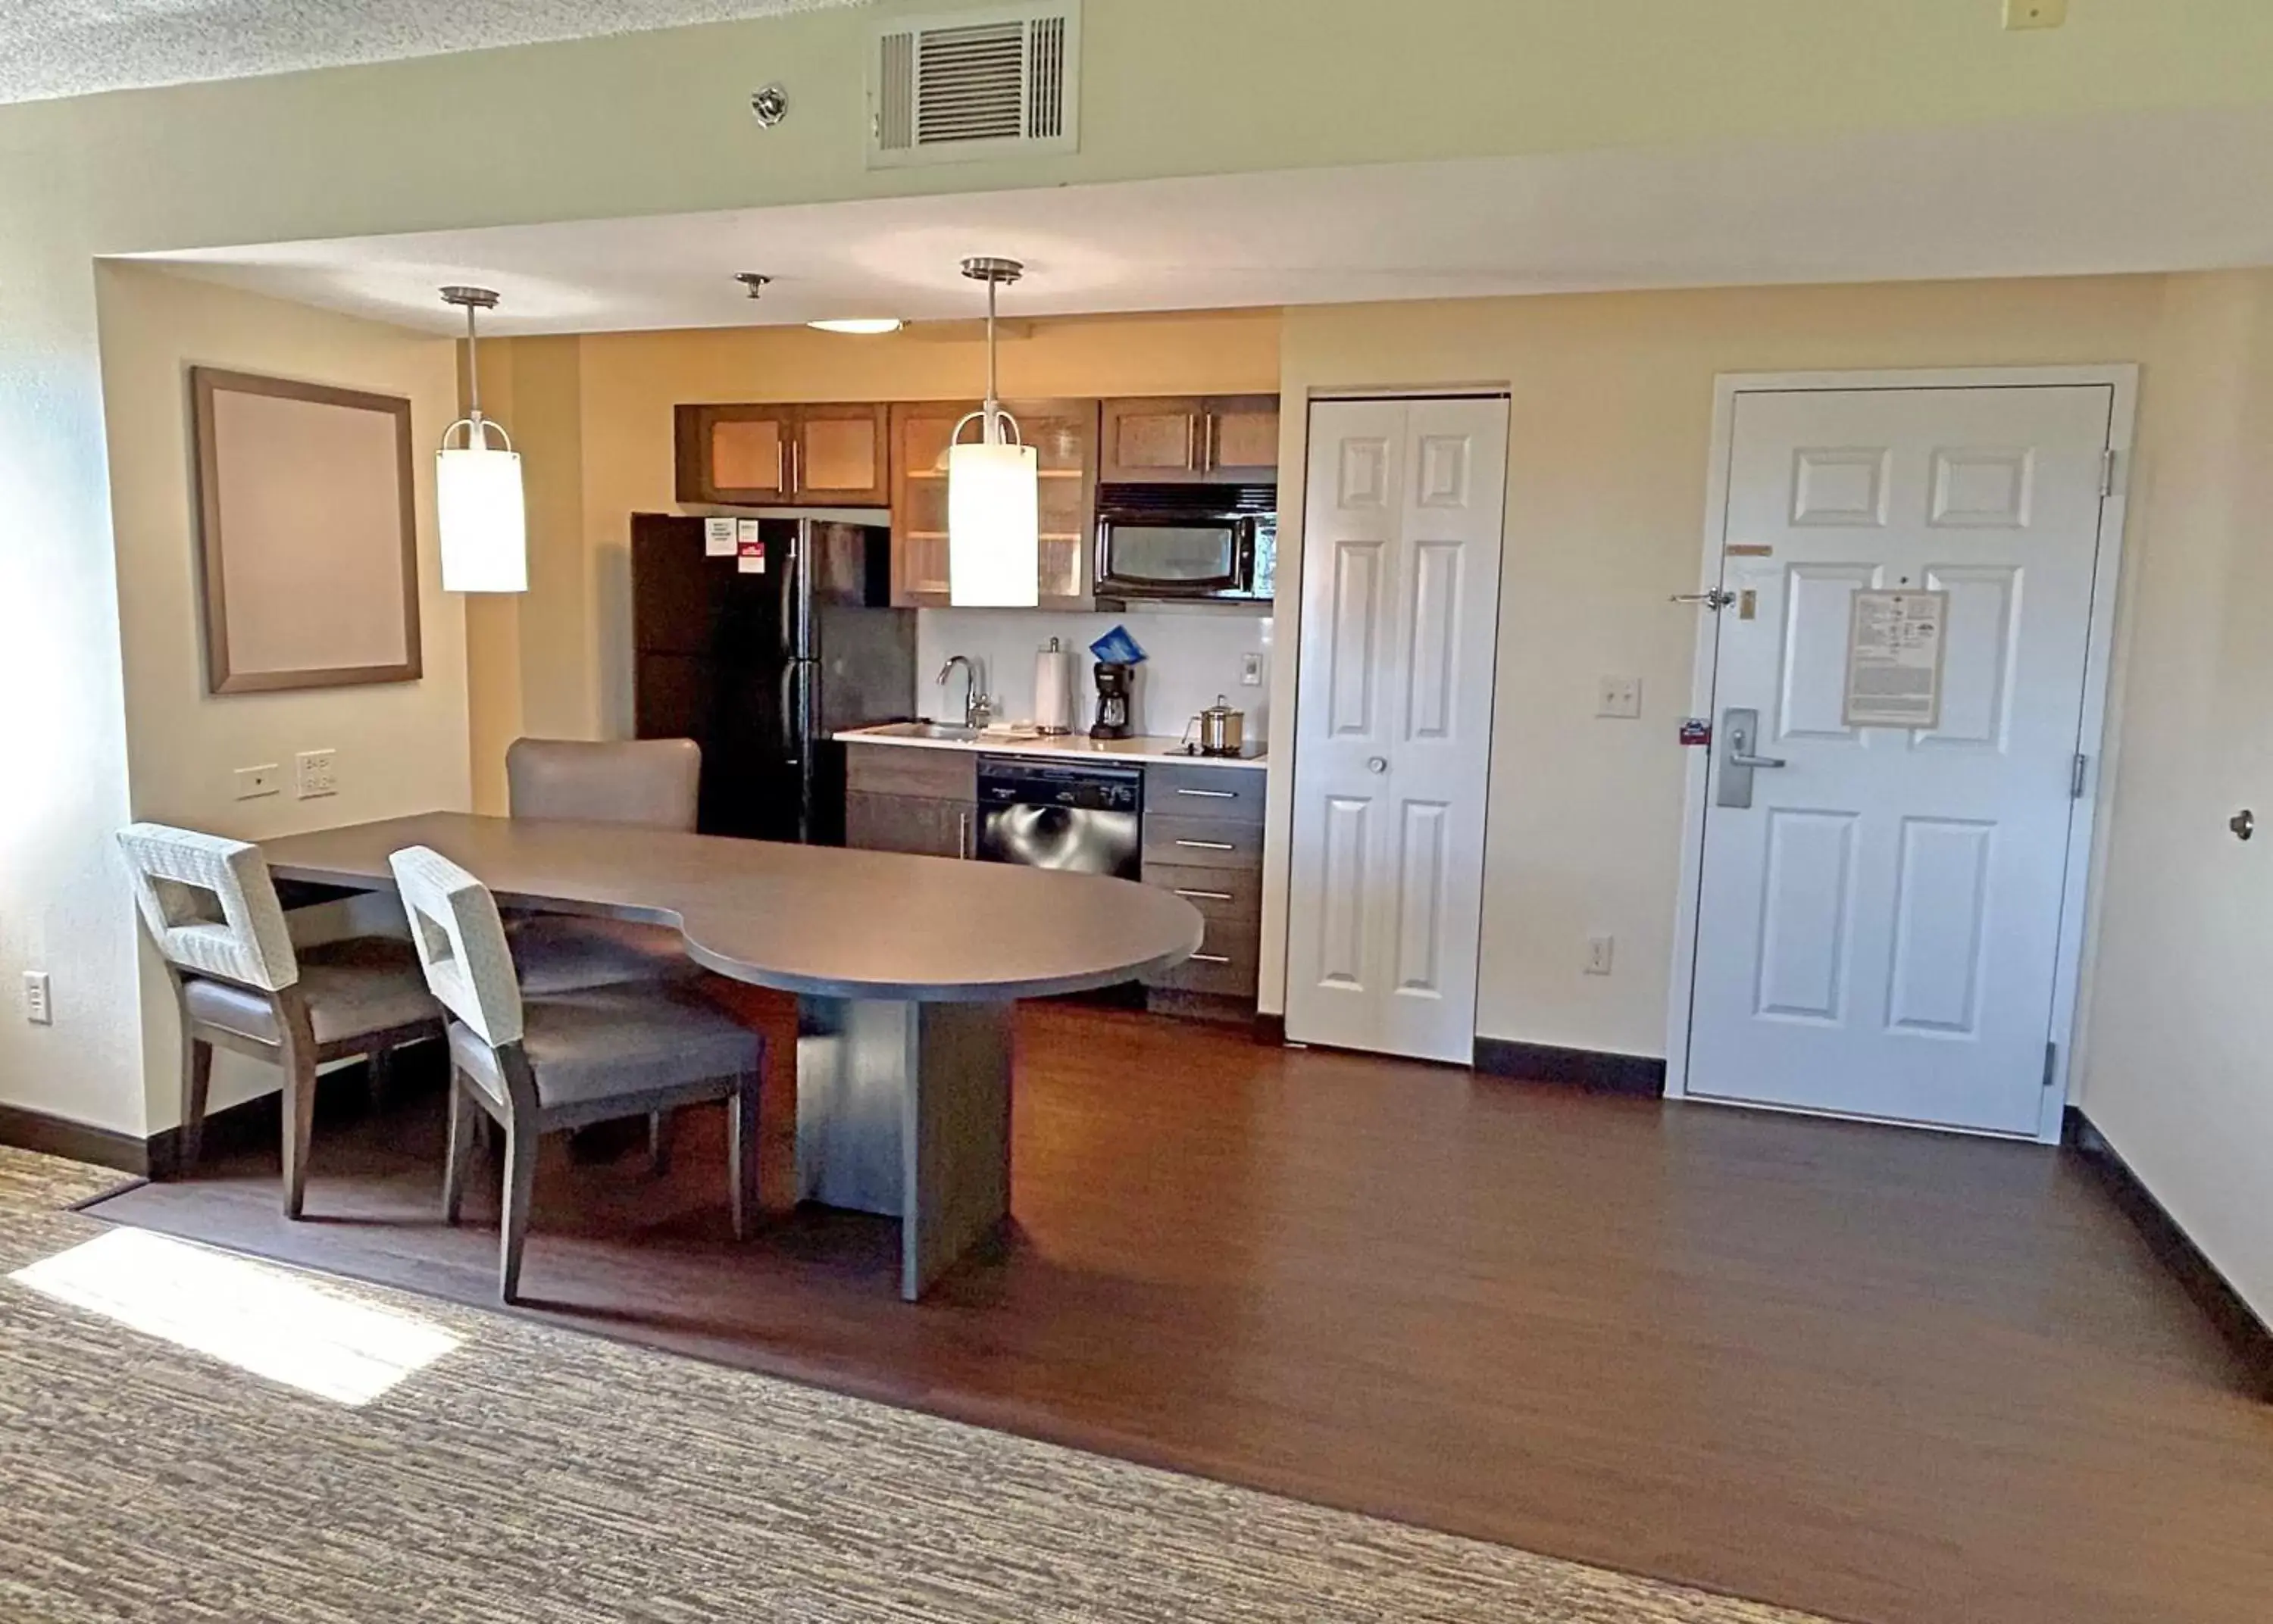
[(1376, 764)]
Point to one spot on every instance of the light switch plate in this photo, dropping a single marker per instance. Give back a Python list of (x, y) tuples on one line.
[(1618, 696), (38, 1009), (1600, 952), (317, 773), (255, 781), (2035, 14)]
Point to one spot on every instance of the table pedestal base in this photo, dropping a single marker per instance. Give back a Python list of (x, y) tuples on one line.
[(904, 1109)]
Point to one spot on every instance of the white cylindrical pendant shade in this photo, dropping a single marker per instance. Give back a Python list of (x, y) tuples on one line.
[(484, 528), (993, 527)]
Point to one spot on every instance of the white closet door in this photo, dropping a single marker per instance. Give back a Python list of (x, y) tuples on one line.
[(1401, 610)]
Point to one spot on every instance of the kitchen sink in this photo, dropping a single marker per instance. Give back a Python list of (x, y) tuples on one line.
[(927, 729)]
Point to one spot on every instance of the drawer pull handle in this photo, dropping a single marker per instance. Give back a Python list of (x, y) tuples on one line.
[(1209, 958), (1205, 896), (1208, 845), (1211, 794)]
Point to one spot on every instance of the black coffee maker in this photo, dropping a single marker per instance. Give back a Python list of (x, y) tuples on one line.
[(1114, 683)]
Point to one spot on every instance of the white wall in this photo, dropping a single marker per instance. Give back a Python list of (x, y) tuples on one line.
[(1191, 656), (401, 746)]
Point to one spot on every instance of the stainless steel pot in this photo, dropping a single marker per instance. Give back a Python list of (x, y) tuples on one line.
[(1222, 730)]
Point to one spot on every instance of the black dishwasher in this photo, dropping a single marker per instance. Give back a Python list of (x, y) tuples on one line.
[(1057, 814)]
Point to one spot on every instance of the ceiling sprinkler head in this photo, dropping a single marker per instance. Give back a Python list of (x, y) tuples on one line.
[(769, 106), (756, 281)]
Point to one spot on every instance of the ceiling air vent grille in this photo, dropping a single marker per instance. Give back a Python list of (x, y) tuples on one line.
[(975, 85)]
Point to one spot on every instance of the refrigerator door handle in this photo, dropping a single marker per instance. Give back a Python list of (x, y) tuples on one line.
[(793, 633)]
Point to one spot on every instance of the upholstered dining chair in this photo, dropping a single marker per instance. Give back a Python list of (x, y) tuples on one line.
[(539, 1064), (650, 782), (212, 909)]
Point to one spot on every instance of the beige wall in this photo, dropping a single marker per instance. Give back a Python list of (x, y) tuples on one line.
[(401, 746), (2179, 1022), (1612, 421), (593, 418)]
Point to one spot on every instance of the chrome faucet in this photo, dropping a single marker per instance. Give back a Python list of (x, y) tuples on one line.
[(978, 708)]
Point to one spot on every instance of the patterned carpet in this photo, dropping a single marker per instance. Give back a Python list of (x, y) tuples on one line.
[(534, 1474)]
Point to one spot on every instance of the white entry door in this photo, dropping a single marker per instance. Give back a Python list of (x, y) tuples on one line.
[(1400, 612), (1878, 928)]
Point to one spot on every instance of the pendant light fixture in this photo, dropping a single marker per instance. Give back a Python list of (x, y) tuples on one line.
[(477, 496), (994, 490)]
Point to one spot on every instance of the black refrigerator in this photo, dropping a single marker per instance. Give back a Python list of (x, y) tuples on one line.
[(761, 653)]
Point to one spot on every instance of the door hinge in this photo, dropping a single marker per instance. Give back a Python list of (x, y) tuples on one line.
[(2107, 472), (2076, 776), (2051, 1063)]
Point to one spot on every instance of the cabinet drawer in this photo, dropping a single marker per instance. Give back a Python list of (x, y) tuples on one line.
[(1205, 792), (909, 769), (1225, 963), (1226, 896), (1201, 843)]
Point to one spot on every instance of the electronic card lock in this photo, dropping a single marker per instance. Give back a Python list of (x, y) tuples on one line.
[(1740, 732)]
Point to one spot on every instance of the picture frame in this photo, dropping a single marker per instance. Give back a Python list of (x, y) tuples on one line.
[(307, 534)]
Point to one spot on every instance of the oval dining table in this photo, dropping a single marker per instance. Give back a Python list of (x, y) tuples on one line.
[(906, 970)]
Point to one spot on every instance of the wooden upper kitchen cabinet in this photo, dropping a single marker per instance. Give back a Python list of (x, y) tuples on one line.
[(822, 454), (1064, 434), (1231, 439)]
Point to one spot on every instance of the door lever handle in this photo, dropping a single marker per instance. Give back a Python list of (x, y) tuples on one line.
[(1738, 757)]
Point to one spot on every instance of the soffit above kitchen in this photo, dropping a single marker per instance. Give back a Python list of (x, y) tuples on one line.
[(2145, 192), (72, 48)]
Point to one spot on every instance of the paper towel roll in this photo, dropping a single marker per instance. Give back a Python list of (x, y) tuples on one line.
[(1053, 689)]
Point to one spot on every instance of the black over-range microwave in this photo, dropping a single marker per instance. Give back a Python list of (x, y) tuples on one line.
[(1187, 541)]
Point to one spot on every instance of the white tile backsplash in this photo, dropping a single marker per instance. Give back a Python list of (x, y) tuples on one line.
[(1191, 655)]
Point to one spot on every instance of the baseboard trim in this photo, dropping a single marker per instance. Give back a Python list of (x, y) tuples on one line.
[(2237, 1322), (1597, 1070), (25, 1129), (248, 1124)]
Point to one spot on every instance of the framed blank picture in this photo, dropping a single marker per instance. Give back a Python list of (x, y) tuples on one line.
[(307, 533)]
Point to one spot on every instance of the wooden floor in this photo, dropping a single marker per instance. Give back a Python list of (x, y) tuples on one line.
[(1885, 1376)]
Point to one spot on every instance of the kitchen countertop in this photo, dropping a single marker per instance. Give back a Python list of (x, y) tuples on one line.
[(1063, 747)]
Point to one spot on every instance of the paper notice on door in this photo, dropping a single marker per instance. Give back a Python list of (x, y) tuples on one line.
[(1894, 660), (718, 538)]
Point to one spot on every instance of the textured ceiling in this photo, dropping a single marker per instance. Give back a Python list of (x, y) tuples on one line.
[(69, 48)]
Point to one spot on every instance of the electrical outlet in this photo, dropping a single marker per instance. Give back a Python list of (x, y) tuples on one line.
[(1251, 670), (317, 773), (1600, 949), (1618, 696), (38, 1009), (255, 781), (2035, 14)]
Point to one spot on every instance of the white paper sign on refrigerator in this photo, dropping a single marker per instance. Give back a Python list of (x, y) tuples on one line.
[(718, 538)]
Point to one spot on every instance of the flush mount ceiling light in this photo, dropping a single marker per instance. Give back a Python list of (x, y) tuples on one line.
[(993, 489), (858, 324), (477, 496)]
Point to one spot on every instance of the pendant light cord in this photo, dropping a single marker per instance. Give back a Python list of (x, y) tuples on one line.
[(993, 427), (473, 374)]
